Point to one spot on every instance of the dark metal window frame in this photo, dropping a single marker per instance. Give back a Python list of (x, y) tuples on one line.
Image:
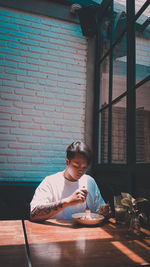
[(130, 168)]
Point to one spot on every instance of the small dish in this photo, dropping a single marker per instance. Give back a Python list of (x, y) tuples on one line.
[(85, 219)]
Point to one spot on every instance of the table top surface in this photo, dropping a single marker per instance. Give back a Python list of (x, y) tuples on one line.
[(66, 243), (12, 244)]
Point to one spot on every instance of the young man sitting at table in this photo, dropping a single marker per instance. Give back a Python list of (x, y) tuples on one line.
[(62, 194)]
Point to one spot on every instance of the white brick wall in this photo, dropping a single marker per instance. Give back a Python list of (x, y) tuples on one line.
[(42, 93)]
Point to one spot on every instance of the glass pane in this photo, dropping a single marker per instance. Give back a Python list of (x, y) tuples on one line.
[(139, 4), (120, 19), (120, 22), (119, 5), (144, 19), (119, 142), (119, 68), (142, 51), (106, 35), (143, 123), (104, 82), (105, 22), (104, 137)]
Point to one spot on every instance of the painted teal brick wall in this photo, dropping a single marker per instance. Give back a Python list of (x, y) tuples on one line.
[(42, 93)]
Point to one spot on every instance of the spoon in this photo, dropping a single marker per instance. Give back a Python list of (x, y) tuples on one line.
[(88, 212)]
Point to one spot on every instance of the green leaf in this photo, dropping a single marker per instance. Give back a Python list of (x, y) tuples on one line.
[(138, 200), (126, 202), (126, 195), (144, 217)]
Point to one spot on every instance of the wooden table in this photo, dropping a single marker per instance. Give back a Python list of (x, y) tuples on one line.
[(12, 244), (65, 243)]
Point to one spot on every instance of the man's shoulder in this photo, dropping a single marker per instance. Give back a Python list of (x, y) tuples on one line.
[(53, 175), (51, 178), (89, 178)]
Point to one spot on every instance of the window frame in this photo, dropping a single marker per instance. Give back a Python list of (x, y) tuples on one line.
[(130, 168)]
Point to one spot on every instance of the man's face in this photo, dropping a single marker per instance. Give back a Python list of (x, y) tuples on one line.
[(76, 167)]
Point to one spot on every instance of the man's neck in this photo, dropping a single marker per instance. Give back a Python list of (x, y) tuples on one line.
[(68, 176)]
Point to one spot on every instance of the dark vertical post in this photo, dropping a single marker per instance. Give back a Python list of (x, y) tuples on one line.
[(110, 89), (96, 94), (131, 99)]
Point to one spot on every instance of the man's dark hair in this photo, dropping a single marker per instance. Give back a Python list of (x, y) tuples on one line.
[(81, 148)]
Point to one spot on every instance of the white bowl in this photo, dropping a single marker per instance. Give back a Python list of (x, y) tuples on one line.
[(84, 218)]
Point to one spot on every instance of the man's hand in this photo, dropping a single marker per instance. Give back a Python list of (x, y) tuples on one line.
[(79, 196), (105, 210), (45, 212)]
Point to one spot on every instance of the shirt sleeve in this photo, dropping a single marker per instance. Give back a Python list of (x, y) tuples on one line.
[(98, 201), (94, 198), (42, 195)]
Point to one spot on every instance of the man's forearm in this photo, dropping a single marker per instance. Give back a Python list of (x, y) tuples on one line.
[(44, 212)]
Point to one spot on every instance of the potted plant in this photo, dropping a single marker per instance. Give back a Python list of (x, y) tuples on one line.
[(134, 213)]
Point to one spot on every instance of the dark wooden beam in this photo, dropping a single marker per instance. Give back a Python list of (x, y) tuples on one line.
[(56, 9)]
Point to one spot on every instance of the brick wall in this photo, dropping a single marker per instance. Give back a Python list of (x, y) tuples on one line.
[(42, 93)]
